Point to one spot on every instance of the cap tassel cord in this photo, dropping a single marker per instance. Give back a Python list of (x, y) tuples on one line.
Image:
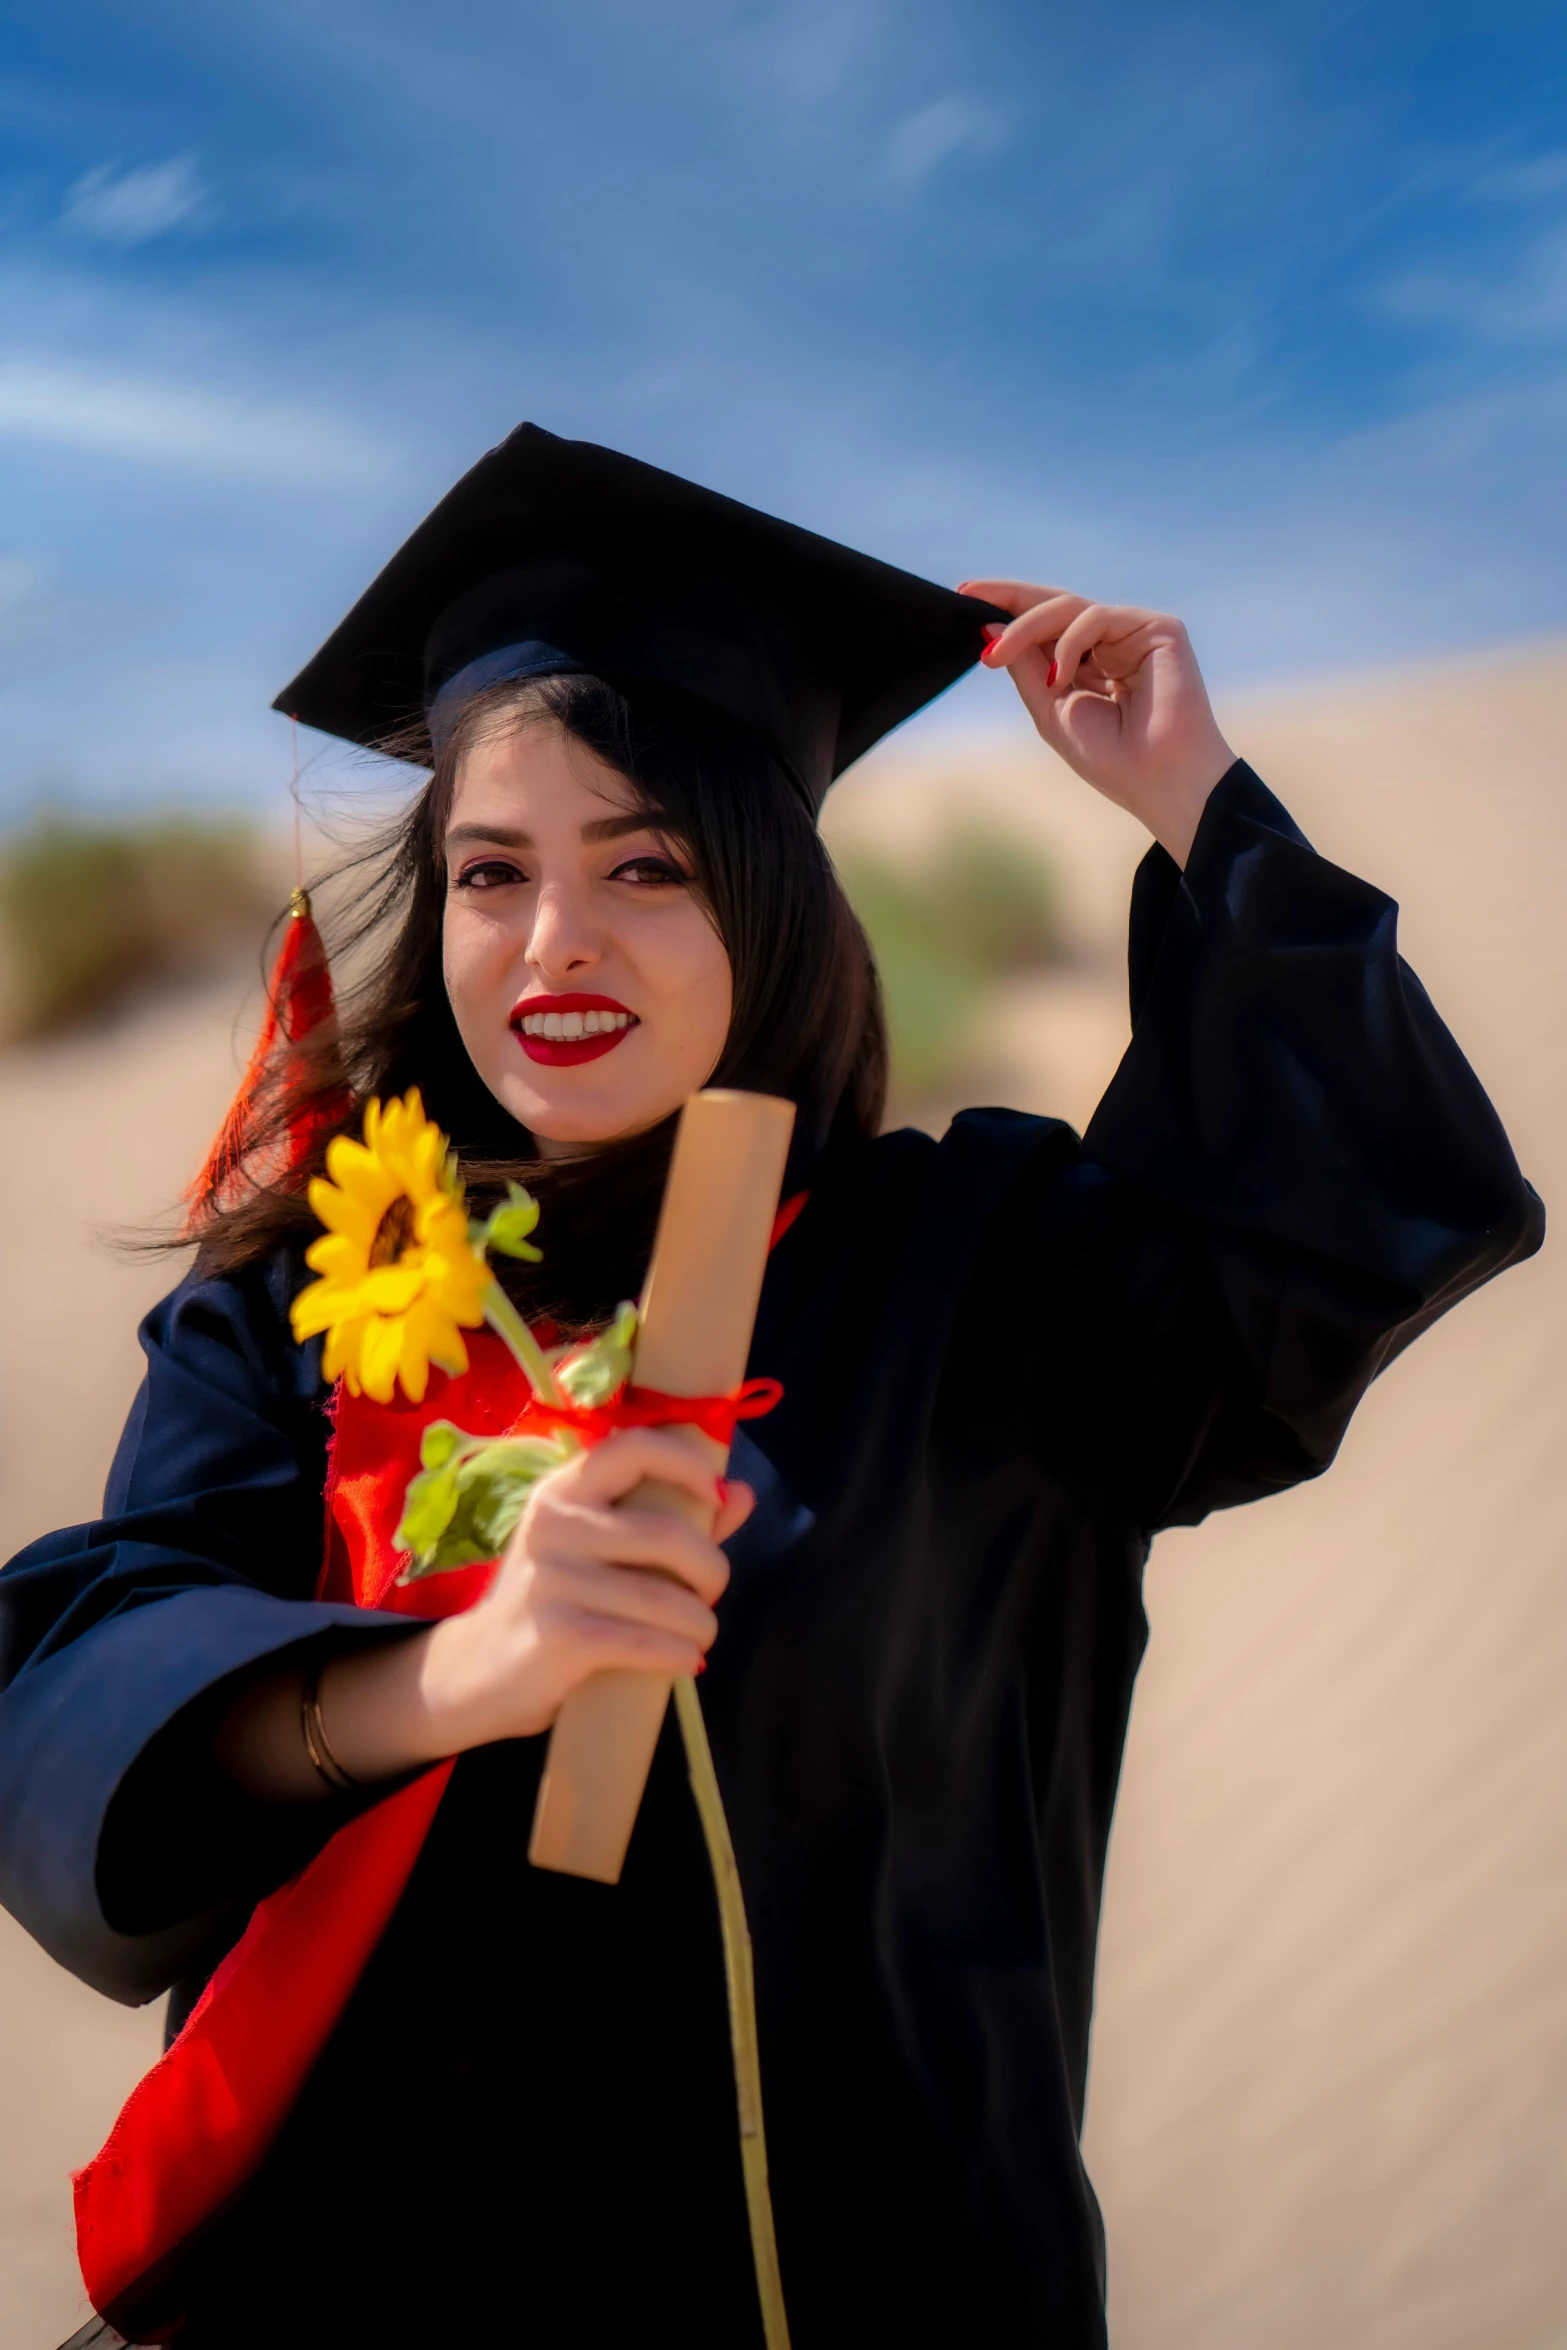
[(299, 1001)]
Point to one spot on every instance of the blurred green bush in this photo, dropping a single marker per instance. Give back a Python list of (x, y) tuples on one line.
[(978, 905), (92, 910)]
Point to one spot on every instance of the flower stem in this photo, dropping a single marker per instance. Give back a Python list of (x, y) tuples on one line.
[(504, 1318), (742, 2011)]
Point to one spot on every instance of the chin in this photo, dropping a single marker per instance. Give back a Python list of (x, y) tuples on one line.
[(562, 1117)]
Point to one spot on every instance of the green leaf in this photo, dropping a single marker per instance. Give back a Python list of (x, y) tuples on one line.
[(506, 1227), (429, 1506), (604, 1365), (467, 1509), (440, 1442)]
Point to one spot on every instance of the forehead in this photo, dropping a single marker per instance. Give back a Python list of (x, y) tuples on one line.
[(537, 773)]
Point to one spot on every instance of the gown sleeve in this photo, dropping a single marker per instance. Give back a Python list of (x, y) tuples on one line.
[(1293, 1172), (123, 1847)]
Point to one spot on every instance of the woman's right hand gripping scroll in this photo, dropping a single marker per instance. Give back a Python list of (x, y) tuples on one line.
[(574, 1596)]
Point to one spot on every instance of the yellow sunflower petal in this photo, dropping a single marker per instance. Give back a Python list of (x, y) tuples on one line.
[(343, 1154), (429, 1156), (395, 1125), (443, 1343), (370, 1189), (431, 1329), (380, 1355), (423, 1165), (445, 1234), (331, 1303), (435, 1223), (363, 1174), (390, 1289), (457, 1293), (338, 1256), (340, 1212), (413, 1360), (315, 1309), (340, 1355), (402, 1116)]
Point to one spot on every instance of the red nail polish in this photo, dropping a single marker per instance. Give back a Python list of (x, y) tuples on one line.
[(721, 1488), (701, 1664), (1050, 676)]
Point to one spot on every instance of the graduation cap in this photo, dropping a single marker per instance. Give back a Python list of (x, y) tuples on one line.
[(554, 557)]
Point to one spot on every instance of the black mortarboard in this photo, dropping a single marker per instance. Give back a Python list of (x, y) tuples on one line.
[(555, 556)]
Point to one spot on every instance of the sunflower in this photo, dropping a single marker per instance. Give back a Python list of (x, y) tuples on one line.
[(400, 1279)]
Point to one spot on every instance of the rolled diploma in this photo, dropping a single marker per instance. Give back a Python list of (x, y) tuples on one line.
[(695, 1339)]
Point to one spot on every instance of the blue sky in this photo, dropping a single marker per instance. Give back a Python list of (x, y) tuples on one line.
[(1255, 311)]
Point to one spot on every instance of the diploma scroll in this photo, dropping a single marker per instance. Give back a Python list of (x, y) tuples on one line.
[(695, 1338)]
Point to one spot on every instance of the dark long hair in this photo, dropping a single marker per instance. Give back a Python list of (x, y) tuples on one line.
[(806, 1022)]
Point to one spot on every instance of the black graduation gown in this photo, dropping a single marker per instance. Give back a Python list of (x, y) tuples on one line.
[(1008, 1359)]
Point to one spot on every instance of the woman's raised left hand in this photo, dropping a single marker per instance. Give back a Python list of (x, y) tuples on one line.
[(1116, 692)]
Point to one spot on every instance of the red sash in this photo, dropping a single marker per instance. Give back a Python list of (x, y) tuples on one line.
[(200, 2123)]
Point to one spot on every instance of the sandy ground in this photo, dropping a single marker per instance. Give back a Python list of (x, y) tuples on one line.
[(154, 1088), (1329, 2095)]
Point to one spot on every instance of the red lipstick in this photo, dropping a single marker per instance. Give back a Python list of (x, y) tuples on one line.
[(562, 1030)]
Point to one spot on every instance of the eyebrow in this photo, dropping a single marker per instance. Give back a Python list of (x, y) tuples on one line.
[(502, 836)]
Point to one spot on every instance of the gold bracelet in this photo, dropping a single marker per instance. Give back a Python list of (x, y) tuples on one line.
[(317, 1744)]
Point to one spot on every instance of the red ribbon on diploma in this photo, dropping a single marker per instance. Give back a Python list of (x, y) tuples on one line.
[(646, 1407), (200, 2123)]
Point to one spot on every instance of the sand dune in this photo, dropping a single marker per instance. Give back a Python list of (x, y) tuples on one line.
[(1329, 2095)]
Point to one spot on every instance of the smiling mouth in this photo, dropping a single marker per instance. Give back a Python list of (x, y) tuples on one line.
[(562, 1030)]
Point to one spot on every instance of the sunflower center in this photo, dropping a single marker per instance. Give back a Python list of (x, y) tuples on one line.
[(394, 1232)]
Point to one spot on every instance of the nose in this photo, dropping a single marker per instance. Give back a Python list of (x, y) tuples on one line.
[(564, 942)]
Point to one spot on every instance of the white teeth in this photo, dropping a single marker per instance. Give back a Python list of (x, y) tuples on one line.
[(569, 1027)]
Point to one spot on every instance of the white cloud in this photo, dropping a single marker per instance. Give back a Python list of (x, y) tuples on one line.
[(191, 427), (132, 207), (930, 137), (807, 51), (1525, 183), (1526, 304)]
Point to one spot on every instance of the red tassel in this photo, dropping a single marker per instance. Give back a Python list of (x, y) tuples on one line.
[(299, 1001)]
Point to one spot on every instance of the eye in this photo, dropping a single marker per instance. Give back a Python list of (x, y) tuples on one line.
[(488, 873), (651, 870)]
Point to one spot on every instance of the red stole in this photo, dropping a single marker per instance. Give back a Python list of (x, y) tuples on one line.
[(200, 2123)]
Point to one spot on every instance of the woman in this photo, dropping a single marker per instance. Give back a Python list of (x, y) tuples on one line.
[(1008, 1359)]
